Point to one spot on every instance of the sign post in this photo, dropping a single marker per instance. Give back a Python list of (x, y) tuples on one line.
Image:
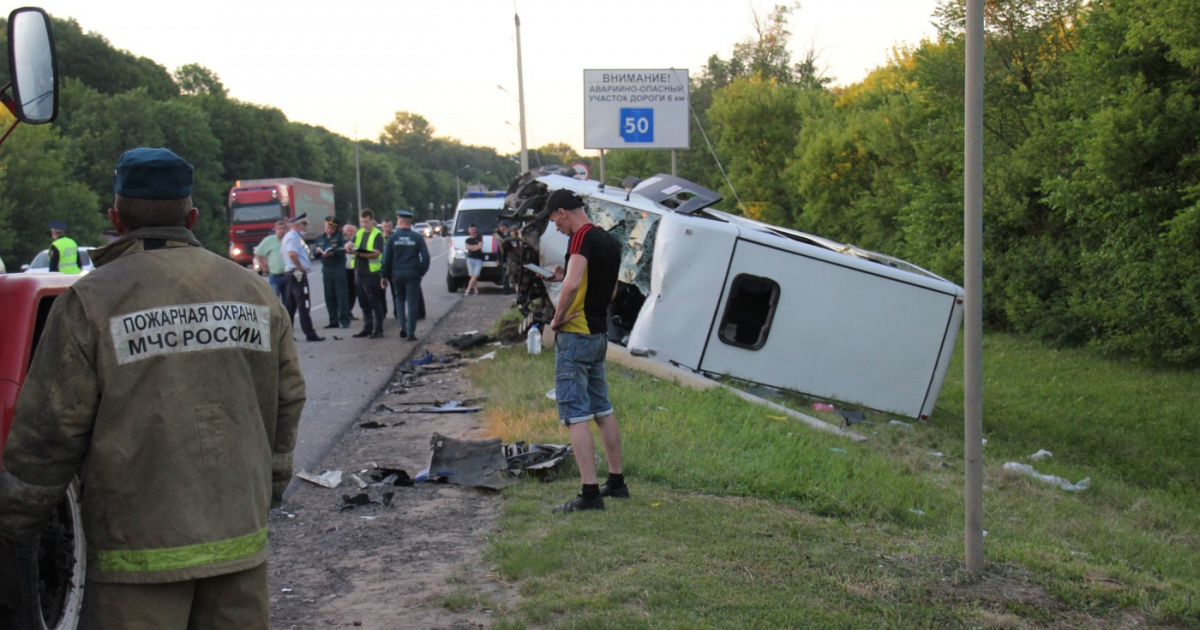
[(635, 109)]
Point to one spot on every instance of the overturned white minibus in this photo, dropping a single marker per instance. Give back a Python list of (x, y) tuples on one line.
[(722, 294)]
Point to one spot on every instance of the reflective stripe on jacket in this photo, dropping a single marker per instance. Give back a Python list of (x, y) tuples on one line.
[(168, 378)]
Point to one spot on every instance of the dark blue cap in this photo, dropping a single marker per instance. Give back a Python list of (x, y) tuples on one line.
[(407, 214), (58, 226), (146, 173)]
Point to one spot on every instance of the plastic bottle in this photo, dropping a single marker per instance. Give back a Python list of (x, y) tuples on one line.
[(533, 342)]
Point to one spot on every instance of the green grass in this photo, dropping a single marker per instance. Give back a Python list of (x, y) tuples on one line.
[(742, 520)]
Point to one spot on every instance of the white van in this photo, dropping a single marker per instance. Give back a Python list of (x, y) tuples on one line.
[(722, 294), (483, 210)]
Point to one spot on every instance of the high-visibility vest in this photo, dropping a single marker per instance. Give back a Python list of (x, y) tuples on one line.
[(68, 255), (376, 263)]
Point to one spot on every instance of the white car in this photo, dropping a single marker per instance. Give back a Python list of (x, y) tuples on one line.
[(423, 228), (41, 262)]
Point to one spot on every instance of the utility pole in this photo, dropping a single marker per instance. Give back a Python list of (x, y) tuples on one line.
[(521, 97), (973, 298)]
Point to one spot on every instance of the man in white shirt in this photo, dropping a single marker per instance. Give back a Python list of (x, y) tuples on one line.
[(296, 265)]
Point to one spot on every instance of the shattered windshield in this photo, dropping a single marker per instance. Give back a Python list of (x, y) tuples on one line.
[(635, 230)]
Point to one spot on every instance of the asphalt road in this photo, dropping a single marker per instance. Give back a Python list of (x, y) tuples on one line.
[(344, 374)]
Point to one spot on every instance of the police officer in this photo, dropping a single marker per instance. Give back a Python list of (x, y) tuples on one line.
[(330, 249), (64, 252), (405, 261), (368, 261), (167, 379), (297, 266)]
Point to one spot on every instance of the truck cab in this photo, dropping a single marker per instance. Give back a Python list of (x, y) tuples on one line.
[(255, 205)]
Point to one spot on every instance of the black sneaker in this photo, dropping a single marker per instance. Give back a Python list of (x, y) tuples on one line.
[(403, 334), (361, 334), (378, 334), (333, 326), (616, 493), (579, 504)]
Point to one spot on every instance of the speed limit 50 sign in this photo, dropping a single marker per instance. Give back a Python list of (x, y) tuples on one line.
[(627, 109)]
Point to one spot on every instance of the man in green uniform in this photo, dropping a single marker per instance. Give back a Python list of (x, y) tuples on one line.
[(64, 252), (330, 249), (168, 380)]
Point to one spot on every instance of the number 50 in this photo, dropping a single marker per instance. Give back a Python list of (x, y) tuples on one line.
[(639, 124)]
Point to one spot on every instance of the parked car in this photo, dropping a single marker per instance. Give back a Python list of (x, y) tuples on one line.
[(41, 262)]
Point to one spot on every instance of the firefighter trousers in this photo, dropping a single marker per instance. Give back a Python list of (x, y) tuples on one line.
[(234, 601)]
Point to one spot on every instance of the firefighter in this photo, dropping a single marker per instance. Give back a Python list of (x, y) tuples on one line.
[(168, 380), (64, 252)]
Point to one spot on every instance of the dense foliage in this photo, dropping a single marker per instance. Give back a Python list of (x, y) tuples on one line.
[(112, 101), (1092, 228)]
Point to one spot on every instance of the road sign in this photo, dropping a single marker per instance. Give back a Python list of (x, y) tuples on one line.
[(643, 109)]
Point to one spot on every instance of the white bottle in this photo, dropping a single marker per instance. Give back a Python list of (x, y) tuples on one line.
[(533, 342)]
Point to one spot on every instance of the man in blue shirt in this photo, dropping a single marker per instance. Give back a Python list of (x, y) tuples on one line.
[(296, 266), (405, 261)]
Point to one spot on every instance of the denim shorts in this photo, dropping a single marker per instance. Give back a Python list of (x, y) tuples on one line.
[(580, 387), (474, 266)]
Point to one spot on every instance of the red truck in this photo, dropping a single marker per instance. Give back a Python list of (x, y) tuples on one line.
[(41, 585), (256, 204)]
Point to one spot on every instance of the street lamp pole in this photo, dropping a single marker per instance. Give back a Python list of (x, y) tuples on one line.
[(521, 97), (457, 186)]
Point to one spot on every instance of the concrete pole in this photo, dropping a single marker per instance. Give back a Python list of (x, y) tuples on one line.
[(521, 97), (973, 274), (357, 174)]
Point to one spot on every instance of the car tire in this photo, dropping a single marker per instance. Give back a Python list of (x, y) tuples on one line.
[(451, 283), (53, 571)]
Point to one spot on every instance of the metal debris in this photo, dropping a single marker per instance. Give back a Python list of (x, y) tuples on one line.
[(328, 478)]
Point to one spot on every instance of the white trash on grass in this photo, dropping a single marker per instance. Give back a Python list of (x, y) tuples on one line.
[(1028, 471)]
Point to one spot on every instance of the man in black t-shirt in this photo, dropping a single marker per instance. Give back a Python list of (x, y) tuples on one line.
[(474, 259), (581, 345)]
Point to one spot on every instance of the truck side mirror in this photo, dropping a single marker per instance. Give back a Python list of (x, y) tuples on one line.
[(33, 66)]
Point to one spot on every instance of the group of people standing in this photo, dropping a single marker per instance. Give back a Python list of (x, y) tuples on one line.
[(358, 264)]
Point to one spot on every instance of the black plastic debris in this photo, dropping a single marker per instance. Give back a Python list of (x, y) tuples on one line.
[(351, 502), (371, 424), (470, 463), (852, 417), (468, 340), (522, 457), (391, 477)]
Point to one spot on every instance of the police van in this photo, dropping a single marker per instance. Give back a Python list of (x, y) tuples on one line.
[(481, 209)]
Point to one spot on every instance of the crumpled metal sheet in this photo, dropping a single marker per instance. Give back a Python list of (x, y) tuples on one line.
[(479, 464)]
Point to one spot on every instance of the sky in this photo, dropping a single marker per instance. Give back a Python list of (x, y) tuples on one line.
[(350, 66)]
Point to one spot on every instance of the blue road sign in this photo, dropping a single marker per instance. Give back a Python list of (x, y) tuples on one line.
[(637, 124)]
